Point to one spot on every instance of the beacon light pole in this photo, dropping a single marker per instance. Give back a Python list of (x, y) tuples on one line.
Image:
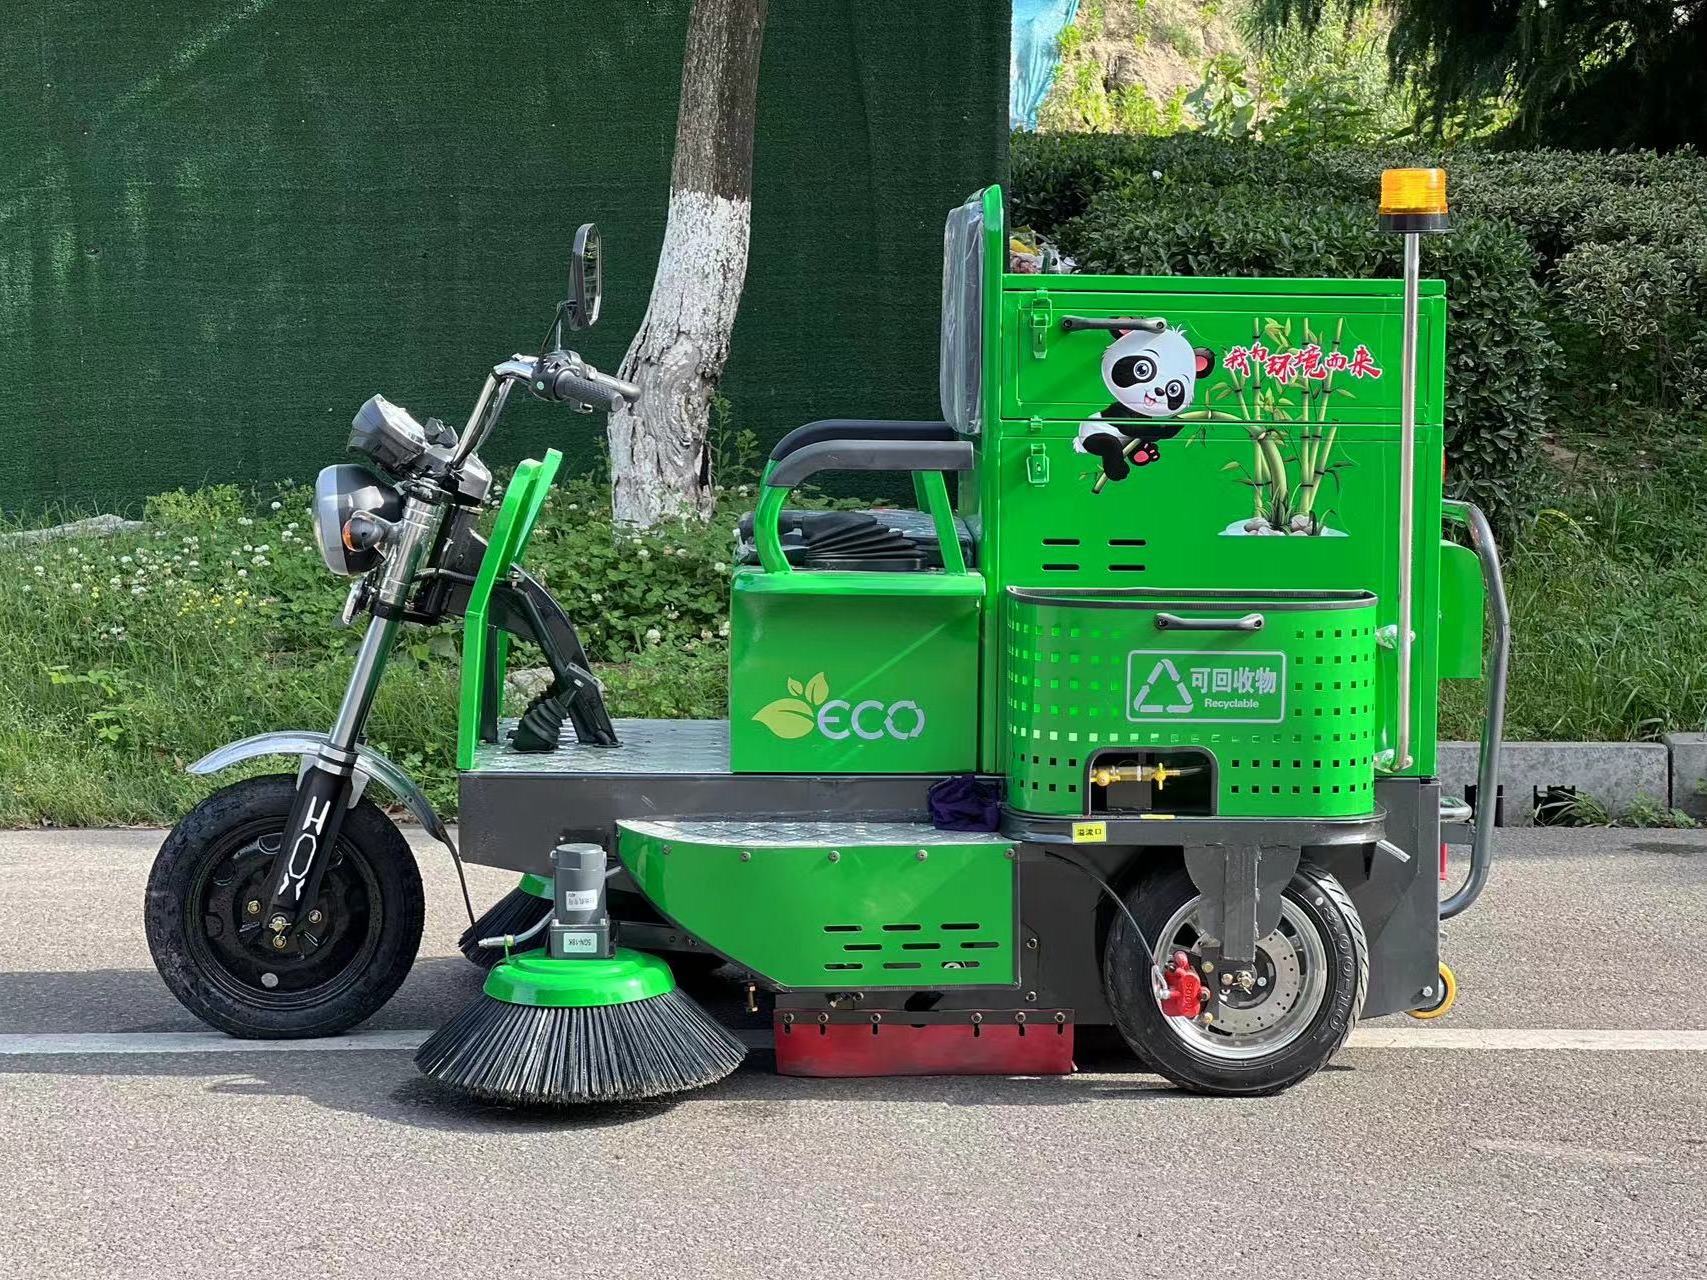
[(1413, 204)]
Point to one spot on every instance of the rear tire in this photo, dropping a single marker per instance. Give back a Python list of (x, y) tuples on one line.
[(1315, 968), (199, 927)]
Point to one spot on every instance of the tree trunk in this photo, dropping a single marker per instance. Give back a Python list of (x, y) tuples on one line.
[(660, 464)]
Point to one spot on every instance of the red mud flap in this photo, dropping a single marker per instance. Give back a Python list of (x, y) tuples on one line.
[(1032, 1042)]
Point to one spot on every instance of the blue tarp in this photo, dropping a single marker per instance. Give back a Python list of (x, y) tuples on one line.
[(1035, 50)]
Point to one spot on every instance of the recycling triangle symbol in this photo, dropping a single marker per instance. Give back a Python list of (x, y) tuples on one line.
[(1148, 700)]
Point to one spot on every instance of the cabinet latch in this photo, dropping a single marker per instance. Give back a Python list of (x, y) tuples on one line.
[(1037, 463), (1042, 312)]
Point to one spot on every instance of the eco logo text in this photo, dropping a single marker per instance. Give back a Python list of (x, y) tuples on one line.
[(809, 708)]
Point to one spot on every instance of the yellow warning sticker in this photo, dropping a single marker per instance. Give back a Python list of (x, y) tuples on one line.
[(1090, 832)]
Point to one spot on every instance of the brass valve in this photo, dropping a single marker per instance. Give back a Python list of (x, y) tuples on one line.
[(1108, 775)]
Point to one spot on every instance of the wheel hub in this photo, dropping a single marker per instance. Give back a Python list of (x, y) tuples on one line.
[(1279, 981), (1288, 986), (246, 950)]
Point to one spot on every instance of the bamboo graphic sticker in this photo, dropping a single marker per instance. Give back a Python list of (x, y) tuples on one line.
[(1205, 687), (1281, 386)]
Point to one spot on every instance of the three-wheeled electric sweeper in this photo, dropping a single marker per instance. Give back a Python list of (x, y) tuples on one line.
[(1132, 724)]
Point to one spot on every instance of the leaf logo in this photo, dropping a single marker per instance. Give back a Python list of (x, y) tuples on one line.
[(796, 715)]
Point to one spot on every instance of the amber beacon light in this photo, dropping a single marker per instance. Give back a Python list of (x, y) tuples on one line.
[(1413, 200)]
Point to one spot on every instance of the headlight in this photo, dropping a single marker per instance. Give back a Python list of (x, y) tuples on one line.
[(340, 492)]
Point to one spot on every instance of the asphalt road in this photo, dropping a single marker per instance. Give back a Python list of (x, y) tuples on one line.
[(1419, 1160)]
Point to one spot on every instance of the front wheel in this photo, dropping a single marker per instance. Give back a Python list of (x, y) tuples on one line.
[(1312, 974), (207, 893)]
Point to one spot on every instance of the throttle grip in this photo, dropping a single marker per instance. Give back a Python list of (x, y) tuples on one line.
[(572, 386)]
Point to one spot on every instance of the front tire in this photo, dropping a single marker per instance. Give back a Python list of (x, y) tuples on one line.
[(1313, 970), (206, 937)]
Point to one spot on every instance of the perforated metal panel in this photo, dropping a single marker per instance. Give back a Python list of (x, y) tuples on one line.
[(1288, 711)]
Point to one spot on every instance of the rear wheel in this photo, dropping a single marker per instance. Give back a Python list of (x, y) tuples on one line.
[(207, 894), (1312, 973)]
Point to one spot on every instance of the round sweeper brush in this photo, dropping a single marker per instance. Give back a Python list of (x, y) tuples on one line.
[(517, 912), (554, 1032)]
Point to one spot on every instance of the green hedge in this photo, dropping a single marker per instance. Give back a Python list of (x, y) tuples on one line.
[(1575, 282)]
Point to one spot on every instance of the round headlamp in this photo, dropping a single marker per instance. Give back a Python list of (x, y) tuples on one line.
[(339, 493)]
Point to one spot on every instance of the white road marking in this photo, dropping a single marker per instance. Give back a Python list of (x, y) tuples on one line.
[(1495, 1040), (203, 1042), (1514, 1040)]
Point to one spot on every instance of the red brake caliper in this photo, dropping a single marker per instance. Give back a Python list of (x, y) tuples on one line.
[(1186, 995)]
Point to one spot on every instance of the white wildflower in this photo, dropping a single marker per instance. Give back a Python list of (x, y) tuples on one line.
[(653, 635)]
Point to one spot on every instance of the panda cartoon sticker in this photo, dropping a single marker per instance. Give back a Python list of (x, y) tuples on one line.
[(1152, 373)]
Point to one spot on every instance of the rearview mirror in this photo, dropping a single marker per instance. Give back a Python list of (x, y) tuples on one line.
[(586, 278)]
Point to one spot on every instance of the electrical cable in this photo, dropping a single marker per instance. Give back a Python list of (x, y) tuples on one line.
[(1158, 980), (461, 875), (508, 940)]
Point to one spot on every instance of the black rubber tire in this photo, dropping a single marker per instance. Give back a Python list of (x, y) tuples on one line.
[(1126, 984), (394, 914)]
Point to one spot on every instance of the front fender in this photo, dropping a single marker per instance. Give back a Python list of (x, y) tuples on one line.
[(370, 765)]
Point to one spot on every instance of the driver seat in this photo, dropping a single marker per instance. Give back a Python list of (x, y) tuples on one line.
[(878, 539)]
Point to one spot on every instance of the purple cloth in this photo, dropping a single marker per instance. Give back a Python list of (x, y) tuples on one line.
[(965, 804)]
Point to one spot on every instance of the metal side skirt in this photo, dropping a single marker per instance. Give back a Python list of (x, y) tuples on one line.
[(370, 764)]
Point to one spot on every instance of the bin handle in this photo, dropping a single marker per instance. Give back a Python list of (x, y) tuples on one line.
[(1493, 722), (1173, 622), (1119, 324)]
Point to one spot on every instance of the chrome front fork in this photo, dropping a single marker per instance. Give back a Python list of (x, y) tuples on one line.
[(325, 788)]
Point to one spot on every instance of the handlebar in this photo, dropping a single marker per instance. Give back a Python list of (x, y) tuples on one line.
[(594, 389), (560, 377)]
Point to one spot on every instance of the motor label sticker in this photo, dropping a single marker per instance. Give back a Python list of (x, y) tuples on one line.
[(1174, 685)]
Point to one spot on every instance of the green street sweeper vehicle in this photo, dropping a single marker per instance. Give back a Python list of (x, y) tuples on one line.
[(1130, 722)]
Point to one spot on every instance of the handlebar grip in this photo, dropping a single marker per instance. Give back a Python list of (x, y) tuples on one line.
[(572, 386)]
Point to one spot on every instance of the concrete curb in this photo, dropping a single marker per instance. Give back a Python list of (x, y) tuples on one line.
[(1616, 775)]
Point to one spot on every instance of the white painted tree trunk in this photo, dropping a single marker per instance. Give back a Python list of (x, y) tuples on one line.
[(658, 450), (660, 462)]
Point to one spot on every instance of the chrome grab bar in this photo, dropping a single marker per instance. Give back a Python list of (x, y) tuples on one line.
[(1493, 723)]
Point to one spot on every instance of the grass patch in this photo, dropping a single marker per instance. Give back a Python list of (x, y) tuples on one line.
[(123, 659), (1608, 586)]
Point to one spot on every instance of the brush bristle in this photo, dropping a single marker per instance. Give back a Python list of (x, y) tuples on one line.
[(515, 913), (533, 1056)]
